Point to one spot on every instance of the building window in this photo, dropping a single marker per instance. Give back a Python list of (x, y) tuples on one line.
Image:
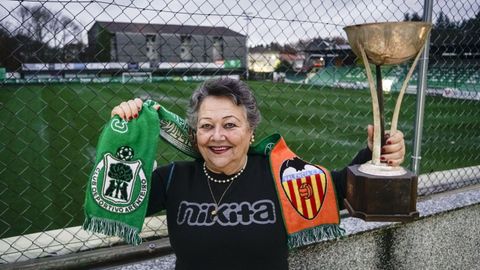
[(151, 52), (186, 48), (150, 44), (217, 49), (113, 48), (151, 38)]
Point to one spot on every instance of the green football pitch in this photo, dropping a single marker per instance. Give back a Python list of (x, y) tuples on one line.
[(49, 132)]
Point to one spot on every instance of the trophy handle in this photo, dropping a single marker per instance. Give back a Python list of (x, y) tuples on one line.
[(396, 112), (376, 111)]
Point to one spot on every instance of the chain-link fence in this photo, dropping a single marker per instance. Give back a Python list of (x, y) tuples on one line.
[(64, 64)]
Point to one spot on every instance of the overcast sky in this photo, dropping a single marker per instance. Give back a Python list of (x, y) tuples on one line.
[(271, 20)]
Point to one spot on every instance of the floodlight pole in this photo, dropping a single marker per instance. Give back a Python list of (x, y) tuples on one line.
[(421, 89)]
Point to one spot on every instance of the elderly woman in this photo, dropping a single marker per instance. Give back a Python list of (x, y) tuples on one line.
[(223, 209)]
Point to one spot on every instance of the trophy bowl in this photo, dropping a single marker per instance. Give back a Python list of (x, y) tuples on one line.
[(388, 43)]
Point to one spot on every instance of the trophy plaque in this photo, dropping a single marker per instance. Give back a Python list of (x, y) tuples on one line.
[(376, 191)]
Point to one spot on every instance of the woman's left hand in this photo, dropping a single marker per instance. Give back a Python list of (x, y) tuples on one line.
[(393, 152)]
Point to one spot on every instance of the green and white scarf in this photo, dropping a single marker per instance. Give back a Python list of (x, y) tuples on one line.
[(119, 185), (118, 188)]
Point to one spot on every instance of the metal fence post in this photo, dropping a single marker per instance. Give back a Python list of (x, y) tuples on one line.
[(421, 88), (247, 19)]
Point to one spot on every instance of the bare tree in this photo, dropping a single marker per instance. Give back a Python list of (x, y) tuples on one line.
[(64, 30), (41, 24), (55, 27), (40, 18), (48, 35), (33, 21), (24, 16), (71, 30)]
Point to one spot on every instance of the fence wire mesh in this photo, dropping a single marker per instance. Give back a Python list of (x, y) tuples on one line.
[(65, 64)]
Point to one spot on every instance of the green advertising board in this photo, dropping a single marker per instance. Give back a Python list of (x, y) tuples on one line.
[(233, 63), (3, 72)]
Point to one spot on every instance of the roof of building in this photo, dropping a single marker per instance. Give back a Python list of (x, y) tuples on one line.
[(292, 57), (145, 28), (261, 49), (323, 45)]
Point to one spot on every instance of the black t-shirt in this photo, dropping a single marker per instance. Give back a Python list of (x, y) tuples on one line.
[(248, 231)]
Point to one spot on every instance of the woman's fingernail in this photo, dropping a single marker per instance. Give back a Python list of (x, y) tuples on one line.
[(390, 162), (383, 150), (135, 115), (130, 118), (389, 142), (382, 158)]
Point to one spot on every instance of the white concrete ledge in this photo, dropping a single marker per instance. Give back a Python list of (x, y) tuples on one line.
[(66, 241), (440, 181)]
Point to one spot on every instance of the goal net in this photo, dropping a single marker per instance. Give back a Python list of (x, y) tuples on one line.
[(136, 77)]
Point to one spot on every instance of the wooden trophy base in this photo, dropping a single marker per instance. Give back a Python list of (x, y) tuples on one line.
[(381, 198)]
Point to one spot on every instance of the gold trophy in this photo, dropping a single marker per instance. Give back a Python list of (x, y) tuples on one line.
[(376, 191)]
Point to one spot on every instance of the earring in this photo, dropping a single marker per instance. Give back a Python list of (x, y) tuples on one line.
[(193, 138), (252, 139)]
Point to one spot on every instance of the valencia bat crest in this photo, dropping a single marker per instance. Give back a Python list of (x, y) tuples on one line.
[(305, 186)]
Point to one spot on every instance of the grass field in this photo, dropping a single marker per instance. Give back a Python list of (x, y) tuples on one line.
[(49, 132)]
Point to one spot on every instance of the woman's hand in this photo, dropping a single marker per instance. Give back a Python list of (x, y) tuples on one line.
[(130, 109), (393, 152)]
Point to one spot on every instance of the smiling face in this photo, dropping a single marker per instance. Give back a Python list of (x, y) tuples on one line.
[(223, 134)]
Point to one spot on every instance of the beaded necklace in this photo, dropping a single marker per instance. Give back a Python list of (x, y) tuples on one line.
[(229, 180), (226, 180)]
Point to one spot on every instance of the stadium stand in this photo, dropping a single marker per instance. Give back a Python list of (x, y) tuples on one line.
[(438, 78)]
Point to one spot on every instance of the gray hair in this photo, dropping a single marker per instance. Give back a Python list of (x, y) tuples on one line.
[(236, 90)]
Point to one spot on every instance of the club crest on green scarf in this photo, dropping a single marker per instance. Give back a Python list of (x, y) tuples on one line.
[(118, 187), (118, 184)]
